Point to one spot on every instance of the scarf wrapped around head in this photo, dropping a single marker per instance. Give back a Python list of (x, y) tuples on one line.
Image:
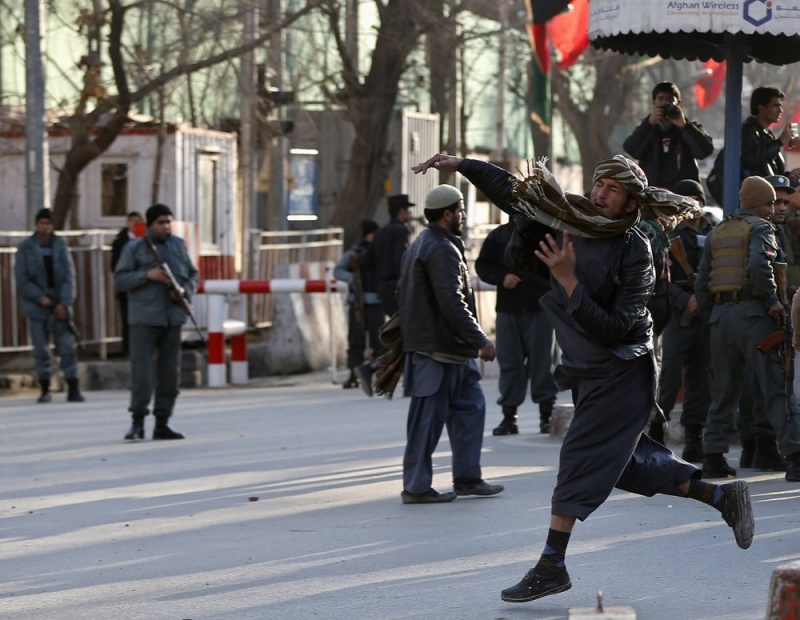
[(540, 197)]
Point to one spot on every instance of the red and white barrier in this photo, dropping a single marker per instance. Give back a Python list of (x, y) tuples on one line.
[(298, 285), (219, 328)]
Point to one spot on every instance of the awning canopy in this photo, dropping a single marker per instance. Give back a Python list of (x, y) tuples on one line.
[(764, 30)]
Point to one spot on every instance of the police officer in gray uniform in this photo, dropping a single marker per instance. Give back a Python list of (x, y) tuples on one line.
[(45, 277), (736, 289), (442, 338), (155, 320)]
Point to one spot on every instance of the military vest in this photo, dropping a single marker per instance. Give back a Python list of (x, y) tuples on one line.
[(730, 248)]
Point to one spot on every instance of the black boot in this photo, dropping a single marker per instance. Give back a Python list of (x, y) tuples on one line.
[(767, 457), (162, 431), (748, 451), (509, 424), (693, 444), (73, 392), (793, 468), (545, 413), (137, 428), (715, 466), (46, 396), (352, 381)]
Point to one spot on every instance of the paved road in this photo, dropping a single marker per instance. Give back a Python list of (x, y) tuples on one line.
[(92, 527)]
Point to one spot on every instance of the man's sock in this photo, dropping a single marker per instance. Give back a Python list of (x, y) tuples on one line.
[(705, 492), (552, 558)]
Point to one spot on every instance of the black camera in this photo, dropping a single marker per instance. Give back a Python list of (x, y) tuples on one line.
[(671, 110)]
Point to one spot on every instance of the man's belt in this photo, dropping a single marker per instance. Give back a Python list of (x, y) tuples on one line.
[(744, 294)]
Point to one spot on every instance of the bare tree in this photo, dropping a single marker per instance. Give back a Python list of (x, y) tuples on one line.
[(93, 128), (592, 97)]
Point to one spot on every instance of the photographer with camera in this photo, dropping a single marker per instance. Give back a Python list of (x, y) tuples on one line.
[(666, 143)]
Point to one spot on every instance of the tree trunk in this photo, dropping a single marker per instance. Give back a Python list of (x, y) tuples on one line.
[(370, 108), (586, 116)]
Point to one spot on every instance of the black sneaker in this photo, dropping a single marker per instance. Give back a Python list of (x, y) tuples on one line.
[(532, 587), (479, 487), (737, 512), (428, 497)]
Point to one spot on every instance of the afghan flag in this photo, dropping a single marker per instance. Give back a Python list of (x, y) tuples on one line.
[(540, 70)]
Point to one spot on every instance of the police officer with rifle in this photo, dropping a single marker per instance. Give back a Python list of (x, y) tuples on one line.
[(736, 288), (159, 278)]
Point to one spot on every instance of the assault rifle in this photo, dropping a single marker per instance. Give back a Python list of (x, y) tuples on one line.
[(71, 327), (178, 294), (782, 338), (679, 254)]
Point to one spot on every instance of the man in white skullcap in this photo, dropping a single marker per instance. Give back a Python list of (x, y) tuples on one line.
[(442, 338)]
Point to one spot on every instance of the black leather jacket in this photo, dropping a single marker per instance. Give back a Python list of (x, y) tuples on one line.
[(606, 319), (669, 155), (437, 305), (761, 150)]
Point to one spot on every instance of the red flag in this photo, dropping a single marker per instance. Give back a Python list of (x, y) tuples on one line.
[(708, 87), (569, 32)]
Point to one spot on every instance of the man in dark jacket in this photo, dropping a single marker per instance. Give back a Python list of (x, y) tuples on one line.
[(601, 277), (441, 339), (761, 150), (128, 233), (385, 253), (45, 278), (666, 143), (384, 256), (525, 339), (155, 320)]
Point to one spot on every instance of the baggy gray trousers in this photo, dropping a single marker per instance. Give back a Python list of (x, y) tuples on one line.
[(442, 394)]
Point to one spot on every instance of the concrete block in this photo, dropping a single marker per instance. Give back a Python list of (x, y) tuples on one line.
[(300, 336), (783, 602), (560, 420)]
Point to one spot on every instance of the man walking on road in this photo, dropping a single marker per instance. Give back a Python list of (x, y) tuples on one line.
[(442, 338), (602, 275)]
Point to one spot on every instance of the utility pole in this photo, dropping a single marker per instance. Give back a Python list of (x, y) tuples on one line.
[(36, 172), (278, 148), (499, 138), (351, 28), (249, 219)]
